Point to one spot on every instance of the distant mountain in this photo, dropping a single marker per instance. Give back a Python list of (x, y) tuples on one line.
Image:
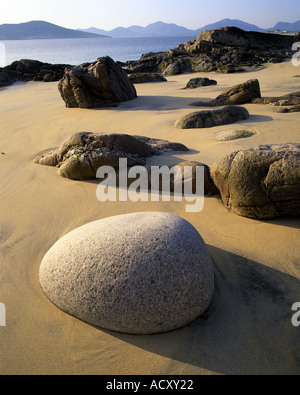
[(161, 29), (40, 30), (286, 26), (46, 30), (166, 30), (158, 29), (230, 22)]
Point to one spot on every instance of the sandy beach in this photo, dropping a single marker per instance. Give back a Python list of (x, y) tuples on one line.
[(248, 328)]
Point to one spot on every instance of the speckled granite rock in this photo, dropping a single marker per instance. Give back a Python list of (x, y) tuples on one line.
[(141, 273), (261, 182)]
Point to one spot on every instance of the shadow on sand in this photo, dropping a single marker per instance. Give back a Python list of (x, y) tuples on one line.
[(247, 330)]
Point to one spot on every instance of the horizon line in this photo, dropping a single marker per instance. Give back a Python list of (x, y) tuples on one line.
[(152, 23)]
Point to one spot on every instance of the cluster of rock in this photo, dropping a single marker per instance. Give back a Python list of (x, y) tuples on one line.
[(31, 70), (291, 102), (226, 50)]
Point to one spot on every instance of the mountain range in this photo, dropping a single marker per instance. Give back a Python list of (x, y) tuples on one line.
[(161, 29), (46, 30), (40, 30)]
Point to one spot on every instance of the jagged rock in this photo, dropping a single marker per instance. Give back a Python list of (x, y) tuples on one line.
[(235, 37), (239, 94), (226, 50), (198, 82), (180, 66), (99, 84), (262, 182), (141, 273), (31, 70), (80, 156), (211, 118), (141, 78)]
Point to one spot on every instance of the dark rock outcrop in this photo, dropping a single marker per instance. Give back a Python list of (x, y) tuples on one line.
[(102, 83), (80, 156), (210, 118), (226, 50), (198, 82), (141, 78), (262, 182), (31, 70)]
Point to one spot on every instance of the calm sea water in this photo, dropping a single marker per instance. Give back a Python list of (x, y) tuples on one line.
[(77, 51)]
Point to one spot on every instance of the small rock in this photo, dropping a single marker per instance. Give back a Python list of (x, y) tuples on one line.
[(198, 82), (230, 135)]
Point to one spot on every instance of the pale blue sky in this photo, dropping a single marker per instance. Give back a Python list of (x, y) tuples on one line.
[(108, 14)]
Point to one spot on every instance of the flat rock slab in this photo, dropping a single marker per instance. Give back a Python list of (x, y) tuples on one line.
[(141, 273), (142, 78), (229, 135), (211, 118), (262, 182)]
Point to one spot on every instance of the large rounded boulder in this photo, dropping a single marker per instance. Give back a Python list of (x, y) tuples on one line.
[(141, 273), (261, 182)]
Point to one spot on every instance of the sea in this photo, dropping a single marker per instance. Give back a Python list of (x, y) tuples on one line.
[(78, 51)]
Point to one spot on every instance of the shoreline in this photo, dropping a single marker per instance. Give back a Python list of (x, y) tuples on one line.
[(248, 329)]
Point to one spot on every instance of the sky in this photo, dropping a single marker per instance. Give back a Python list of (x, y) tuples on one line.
[(109, 14)]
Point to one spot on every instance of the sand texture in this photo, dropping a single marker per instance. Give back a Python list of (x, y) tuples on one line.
[(247, 329)]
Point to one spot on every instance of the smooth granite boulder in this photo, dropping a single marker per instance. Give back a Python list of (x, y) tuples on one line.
[(261, 182), (236, 134), (141, 273), (102, 83), (211, 118)]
